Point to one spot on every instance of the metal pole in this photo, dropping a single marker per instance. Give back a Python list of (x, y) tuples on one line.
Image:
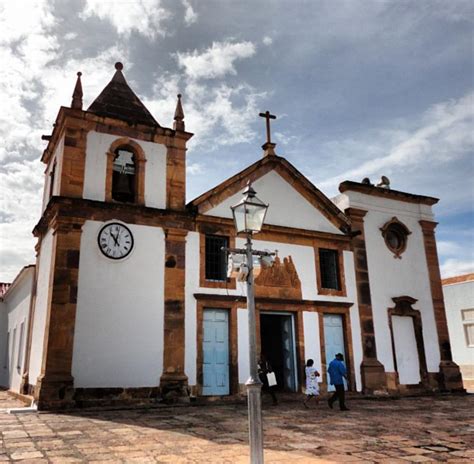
[(254, 386)]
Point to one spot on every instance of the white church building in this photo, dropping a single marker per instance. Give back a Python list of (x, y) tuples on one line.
[(129, 299)]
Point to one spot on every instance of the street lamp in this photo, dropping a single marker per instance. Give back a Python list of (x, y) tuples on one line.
[(249, 215)]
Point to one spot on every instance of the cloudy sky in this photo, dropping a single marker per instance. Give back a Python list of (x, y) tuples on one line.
[(360, 88)]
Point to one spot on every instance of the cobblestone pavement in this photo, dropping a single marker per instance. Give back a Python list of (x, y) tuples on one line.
[(391, 431)]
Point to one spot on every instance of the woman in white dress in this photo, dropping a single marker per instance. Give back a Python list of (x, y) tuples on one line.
[(312, 387)]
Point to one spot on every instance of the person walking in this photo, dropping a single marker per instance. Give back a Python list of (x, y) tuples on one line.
[(264, 368), (312, 387), (337, 373)]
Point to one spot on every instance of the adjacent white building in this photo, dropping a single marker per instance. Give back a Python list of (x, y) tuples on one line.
[(459, 300)]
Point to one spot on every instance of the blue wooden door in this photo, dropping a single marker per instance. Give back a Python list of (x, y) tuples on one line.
[(334, 340), (215, 348), (289, 377)]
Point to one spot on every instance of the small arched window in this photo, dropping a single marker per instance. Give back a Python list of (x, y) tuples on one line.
[(125, 173), (124, 185)]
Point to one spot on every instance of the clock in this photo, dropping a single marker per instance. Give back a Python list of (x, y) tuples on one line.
[(115, 240)]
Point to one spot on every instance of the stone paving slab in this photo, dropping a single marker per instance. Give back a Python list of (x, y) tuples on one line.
[(9, 401), (427, 429)]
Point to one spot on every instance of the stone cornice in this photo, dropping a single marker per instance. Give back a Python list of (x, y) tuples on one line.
[(77, 210), (349, 186), (79, 119)]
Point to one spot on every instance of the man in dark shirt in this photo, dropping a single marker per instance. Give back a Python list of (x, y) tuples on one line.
[(337, 373)]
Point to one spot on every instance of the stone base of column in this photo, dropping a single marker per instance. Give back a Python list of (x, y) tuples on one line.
[(450, 378), (53, 392), (373, 376), (174, 387), (24, 384)]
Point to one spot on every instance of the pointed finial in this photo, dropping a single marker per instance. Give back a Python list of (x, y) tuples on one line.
[(77, 94), (179, 115), (118, 76)]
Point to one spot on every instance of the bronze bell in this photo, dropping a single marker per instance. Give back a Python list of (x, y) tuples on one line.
[(122, 189)]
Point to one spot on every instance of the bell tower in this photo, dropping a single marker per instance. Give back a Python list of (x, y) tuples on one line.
[(111, 162)]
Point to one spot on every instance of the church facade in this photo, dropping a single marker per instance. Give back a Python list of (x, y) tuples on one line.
[(130, 300)]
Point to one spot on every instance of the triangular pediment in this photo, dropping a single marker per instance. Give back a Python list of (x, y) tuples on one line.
[(294, 201)]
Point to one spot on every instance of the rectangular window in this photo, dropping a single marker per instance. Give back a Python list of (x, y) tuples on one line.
[(329, 268), (20, 346), (216, 259), (468, 323)]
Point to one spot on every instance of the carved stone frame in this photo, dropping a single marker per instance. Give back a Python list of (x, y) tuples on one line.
[(229, 284), (341, 273), (403, 307), (344, 312), (385, 229), (231, 308), (140, 160)]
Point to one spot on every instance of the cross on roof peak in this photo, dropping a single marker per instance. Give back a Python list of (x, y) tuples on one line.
[(267, 116)]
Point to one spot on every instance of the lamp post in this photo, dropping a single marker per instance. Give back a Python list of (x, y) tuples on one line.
[(249, 215)]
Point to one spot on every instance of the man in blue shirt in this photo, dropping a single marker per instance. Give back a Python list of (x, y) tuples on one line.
[(337, 373)]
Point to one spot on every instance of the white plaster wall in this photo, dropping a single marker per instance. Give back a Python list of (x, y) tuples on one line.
[(190, 320), (363, 201), (456, 298), (3, 344), (17, 302), (287, 206), (155, 174), (312, 342), (391, 277), (351, 290), (303, 259), (243, 345), (41, 306), (118, 340), (98, 145)]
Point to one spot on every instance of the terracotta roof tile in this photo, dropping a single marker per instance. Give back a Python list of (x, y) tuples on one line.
[(458, 279)]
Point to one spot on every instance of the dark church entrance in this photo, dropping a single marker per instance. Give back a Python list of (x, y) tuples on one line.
[(277, 337)]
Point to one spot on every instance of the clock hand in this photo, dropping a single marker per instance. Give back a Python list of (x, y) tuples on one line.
[(115, 239)]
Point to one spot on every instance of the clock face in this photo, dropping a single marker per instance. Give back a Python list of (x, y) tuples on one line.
[(115, 240)]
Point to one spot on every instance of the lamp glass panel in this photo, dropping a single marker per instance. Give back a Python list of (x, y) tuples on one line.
[(239, 217), (255, 217)]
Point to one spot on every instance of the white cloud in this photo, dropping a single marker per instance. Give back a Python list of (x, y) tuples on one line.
[(194, 168), (454, 267), (216, 61), (33, 87), (145, 17), (448, 248), (286, 139), (267, 40), (444, 133), (27, 45), (190, 16), (219, 115), (70, 36)]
